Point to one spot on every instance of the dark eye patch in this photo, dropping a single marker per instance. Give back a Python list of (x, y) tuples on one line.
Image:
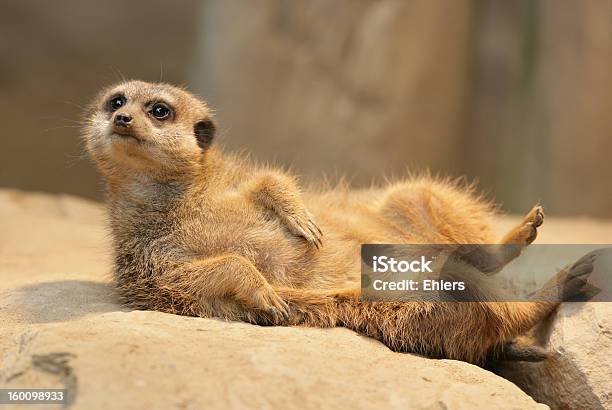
[(116, 102)]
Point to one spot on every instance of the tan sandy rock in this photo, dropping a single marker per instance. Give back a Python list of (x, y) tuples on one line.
[(62, 327)]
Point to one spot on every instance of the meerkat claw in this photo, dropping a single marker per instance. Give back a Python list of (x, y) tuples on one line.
[(316, 232), (314, 224), (307, 230)]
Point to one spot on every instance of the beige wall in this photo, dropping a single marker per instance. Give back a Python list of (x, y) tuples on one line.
[(542, 104), (513, 93)]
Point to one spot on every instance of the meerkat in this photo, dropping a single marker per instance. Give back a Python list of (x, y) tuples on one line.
[(200, 232)]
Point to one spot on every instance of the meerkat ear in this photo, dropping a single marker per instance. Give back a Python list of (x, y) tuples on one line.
[(205, 132)]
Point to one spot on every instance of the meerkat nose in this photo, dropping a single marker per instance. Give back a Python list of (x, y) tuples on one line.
[(122, 120)]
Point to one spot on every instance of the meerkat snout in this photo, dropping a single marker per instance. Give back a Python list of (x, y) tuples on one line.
[(122, 120), (121, 124)]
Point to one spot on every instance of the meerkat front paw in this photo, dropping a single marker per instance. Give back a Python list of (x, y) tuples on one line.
[(268, 301), (305, 226)]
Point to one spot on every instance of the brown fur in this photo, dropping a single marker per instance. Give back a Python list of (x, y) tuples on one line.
[(198, 232)]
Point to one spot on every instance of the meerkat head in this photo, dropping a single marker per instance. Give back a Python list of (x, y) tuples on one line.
[(146, 128)]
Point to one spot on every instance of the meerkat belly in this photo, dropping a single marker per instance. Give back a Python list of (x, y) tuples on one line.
[(274, 251), (353, 218)]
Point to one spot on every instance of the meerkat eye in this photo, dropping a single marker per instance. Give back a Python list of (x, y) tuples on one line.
[(116, 102), (160, 111)]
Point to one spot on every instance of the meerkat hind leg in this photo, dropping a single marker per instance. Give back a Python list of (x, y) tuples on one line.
[(490, 259), (224, 276), (432, 211), (527, 231)]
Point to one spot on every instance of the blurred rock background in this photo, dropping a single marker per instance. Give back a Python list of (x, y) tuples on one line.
[(515, 94)]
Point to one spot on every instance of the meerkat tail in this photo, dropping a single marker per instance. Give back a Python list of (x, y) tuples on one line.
[(457, 330)]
